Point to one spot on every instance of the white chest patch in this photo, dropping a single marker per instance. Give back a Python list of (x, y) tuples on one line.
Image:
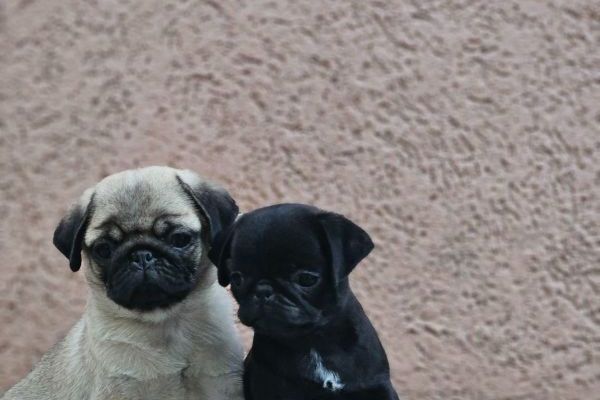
[(329, 379)]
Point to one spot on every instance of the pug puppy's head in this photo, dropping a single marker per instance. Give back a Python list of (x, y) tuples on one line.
[(145, 234), (288, 266)]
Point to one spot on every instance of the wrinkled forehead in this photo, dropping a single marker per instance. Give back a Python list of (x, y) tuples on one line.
[(131, 204)]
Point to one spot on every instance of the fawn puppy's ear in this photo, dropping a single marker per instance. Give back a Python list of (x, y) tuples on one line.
[(69, 234), (214, 202), (220, 254)]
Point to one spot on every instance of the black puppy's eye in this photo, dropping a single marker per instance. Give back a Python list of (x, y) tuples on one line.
[(180, 239), (306, 279), (102, 250), (236, 278)]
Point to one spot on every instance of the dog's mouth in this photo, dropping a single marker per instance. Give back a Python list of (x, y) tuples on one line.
[(149, 289), (273, 321), (147, 297)]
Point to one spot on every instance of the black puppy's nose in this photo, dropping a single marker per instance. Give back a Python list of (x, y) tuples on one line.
[(263, 292), (142, 257)]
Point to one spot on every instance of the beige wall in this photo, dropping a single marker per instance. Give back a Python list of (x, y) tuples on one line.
[(463, 135)]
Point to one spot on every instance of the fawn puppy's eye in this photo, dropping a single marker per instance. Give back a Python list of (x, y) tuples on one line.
[(180, 239), (306, 279), (102, 249), (236, 278)]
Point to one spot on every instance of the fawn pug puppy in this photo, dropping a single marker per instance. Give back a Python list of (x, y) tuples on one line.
[(156, 325), (288, 266)]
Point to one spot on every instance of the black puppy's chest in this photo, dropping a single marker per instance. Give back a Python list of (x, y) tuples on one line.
[(345, 363), (311, 374), (303, 377), (325, 372), (313, 381)]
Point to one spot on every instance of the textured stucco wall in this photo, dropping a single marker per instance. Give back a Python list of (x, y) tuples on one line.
[(463, 135)]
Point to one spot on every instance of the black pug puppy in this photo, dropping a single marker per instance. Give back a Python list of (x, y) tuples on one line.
[(288, 266)]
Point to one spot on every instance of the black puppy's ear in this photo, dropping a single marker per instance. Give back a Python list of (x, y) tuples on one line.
[(220, 254), (348, 244), (217, 206), (69, 234)]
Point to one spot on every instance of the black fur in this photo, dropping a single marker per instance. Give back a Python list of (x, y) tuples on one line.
[(146, 272), (69, 234), (217, 206), (264, 255), (348, 245), (219, 255)]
